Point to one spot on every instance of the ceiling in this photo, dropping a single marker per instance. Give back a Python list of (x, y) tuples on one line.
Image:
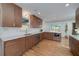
[(51, 12)]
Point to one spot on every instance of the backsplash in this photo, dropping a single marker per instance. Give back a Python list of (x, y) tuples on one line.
[(33, 30), (18, 30)]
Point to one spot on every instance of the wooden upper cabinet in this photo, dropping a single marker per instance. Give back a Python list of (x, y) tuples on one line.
[(18, 16), (77, 18), (35, 22), (7, 15), (11, 15)]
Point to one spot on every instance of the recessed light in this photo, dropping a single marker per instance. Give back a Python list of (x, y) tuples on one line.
[(38, 12), (66, 5)]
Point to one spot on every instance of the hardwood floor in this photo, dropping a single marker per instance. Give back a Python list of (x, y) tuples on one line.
[(50, 48)]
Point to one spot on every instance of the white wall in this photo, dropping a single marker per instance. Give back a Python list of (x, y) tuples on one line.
[(45, 26)]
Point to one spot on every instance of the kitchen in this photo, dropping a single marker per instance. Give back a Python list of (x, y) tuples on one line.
[(23, 26)]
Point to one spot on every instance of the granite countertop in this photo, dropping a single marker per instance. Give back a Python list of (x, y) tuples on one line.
[(13, 33), (11, 36), (75, 36), (6, 38)]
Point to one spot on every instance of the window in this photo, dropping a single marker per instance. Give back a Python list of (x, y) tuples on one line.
[(55, 28), (25, 23)]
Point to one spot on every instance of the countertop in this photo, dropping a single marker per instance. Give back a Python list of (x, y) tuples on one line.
[(13, 33), (75, 36), (6, 38), (55, 31), (12, 36)]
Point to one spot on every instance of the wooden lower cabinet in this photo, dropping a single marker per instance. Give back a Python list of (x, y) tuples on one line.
[(16, 48), (33, 40), (21, 45), (41, 36), (50, 36), (27, 46), (36, 39), (74, 46), (30, 41), (47, 35), (11, 51)]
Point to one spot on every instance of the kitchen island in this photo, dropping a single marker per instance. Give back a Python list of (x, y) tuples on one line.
[(74, 44)]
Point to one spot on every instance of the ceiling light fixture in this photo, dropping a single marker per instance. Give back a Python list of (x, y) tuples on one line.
[(66, 5), (38, 12)]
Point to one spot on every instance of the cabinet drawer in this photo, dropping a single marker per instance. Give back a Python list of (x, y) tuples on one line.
[(9, 43)]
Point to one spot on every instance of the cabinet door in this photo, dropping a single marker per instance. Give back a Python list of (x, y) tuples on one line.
[(8, 15), (51, 36), (48, 35), (21, 45), (18, 16), (31, 41), (35, 22), (15, 47), (11, 15), (27, 45), (11, 50), (42, 36), (35, 39)]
